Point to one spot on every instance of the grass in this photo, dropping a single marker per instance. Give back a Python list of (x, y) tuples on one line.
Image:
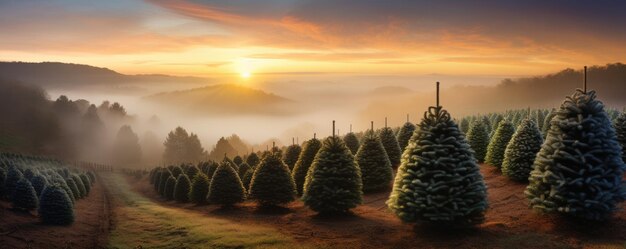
[(143, 223)]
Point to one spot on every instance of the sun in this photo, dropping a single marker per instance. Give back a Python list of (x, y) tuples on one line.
[(245, 74)]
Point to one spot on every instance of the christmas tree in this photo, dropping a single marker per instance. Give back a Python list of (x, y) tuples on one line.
[(620, 130), (521, 151), (304, 162), (388, 138), (226, 188), (498, 143), (271, 183), (182, 188), (405, 134), (352, 141), (290, 157), (199, 189), (56, 207), (376, 170), (478, 139)]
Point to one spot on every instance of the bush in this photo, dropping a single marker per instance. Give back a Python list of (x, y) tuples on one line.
[(439, 181), (24, 196), (170, 184), (226, 188), (579, 170), (376, 171), (247, 178), (253, 160), (243, 168), (352, 142), (165, 174), (304, 162), (291, 156), (14, 175), (405, 134), (74, 190), (39, 183), (182, 188), (333, 184), (237, 160), (478, 139), (55, 206), (192, 171), (199, 189), (86, 183), (390, 143), (498, 143), (79, 184), (271, 183), (521, 151)]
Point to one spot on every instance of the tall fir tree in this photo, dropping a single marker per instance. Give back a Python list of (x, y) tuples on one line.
[(405, 134), (376, 170), (478, 139), (304, 162), (226, 188), (182, 188), (333, 184), (272, 183), (498, 143), (521, 151), (25, 196), (579, 170), (388, 138), (199, 188), (290, 157), (352, 141)]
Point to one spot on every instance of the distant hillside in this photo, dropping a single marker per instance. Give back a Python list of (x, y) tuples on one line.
[(56, 75), (225, 99)]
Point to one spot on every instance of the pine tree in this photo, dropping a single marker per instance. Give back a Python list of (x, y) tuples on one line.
[(13, 176), (3, 178), (165, 174), (620, 130), (38, 181), (333, 184), (70, 183), (304, 162), (247, 178), (290, 157), (182, 188), (55, 206), (199, 189), (376, 170), (226, 188), (243, 168), (405, 134), (79, 185), (351, 141), (212, 166), (547, 123), (25, 196), (191, 171), (521, 151), (86, 183), (237, 160), (579, 169), (478, 139), (465, 125), (170, 184), (253, 160), (390, 143), (439, 181), (498, 143), (272, 183)]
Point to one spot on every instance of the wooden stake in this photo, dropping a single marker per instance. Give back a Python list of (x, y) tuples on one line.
[(350, 127), (293, 141), (333, 128), (273, 144), (372, 125), (585, 80), (407, 117), (437, 94), (314, 135), (385, 122), (298, 140)]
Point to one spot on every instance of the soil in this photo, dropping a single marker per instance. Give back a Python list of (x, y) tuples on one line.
[(509, 223), (90, 230)]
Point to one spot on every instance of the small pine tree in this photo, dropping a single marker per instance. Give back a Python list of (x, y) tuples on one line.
[(376, 170), (247, 178), (404, 135), (170, 184), (39, 182), (191, 171), (79, 185), (620, 130), (70, 183), (498, 143), (290, 157), (465, 125), (237, 160), (253, 159), (390, 143), (24, 196), (521, 151), (304, 162), (55, 206), (243, 168), (199, 189), (211, 167), (13, 176), (182, 188), (226, 188), (478, 139), (176, 171), (272, 183), (333, 184), (547, 123), (439, 181), (86, 183), (352, 142), (3, 178), (579, 170), (165, 174)]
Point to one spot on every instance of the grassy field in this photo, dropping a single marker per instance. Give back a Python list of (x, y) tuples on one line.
[(141, 222)]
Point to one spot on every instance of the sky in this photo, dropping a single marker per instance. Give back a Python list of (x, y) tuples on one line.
[(250, 38)]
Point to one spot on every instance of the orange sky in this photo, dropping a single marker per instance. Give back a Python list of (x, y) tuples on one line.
[(236, 37)]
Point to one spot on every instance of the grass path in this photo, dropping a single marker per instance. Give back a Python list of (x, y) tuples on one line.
[(142, 223)]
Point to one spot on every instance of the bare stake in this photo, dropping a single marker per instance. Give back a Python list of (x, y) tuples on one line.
[(585, 80)]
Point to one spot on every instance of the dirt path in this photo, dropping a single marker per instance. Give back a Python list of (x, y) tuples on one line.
[(141, 222)]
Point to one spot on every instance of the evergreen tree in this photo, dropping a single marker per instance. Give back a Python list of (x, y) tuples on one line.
[(439, 181), (191, 171), (226, 188), (272, 183), (404, 135), (498, 143), (222, 148), (333, 184), (165, 174), (290, 157), (478, 139), (521, 151), (24, 196), (243, 168), (304, 162), (487, 123), (86, 183), (620, 130), (247, 178), (579, 169), (3, 178), (352, 142), (55, 206), (465, 125), (13, 176), (199, 189), (253, 159), (38, 181), (212, 166), (548, 123), (237, 160), (181, 147), (157, 179), (126, 149), (74, 190), (79, 185), (390, 143), (376, 170), (176, 171), (170, 184), (182, 188)]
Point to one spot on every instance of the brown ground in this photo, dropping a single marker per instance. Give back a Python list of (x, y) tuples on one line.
[(23, 230), (509, 224)]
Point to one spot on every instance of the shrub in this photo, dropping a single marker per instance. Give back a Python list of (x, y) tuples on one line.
[(24, 196), (55, 206), (39, 183), (376, 171), (170, 184), (352, 142), (478, 139), (243, 168), (226, 188), (521, 151), (199, 189), (390, 143), (86, 183), (182, 188), (73, 188), (14, 175), (291, 155), (498, 143), (304, 162), (79, 185), (271, 183), (405, 134), (253, 160)]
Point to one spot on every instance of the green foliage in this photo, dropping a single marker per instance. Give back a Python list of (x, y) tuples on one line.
[(390, 143), (92, 176), (199, 189), (304, 162), (376, 170), (439, 181), (13, 176), (211, 167), (253, 160), (79, 185), (55, 206), (170, 184), (521, 151), (226, 188), (165, 174), (465, 125), (86, 183), (498, 143), (181, 147), (405, 134), (620, 130), (271, 183), (290, 157), (478, 139), (182, 188), (24, 196), (176, 171), (237, 160), (547, 123), (3, 178), (243, 168), (192, 171), (352, 142), (579, 170), (74, 189), (38, 181), (333, 184), (247, 178)]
